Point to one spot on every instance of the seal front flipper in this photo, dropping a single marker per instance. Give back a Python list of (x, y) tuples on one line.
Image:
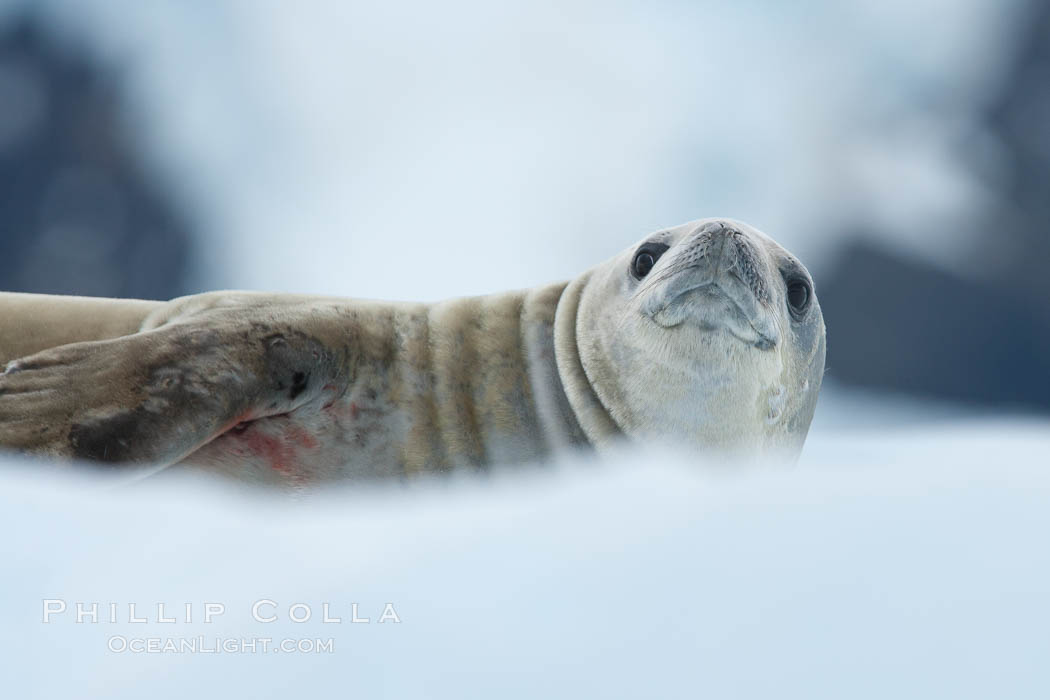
[(156, 396)]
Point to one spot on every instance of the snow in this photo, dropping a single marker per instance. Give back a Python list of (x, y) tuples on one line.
[(907, 561)]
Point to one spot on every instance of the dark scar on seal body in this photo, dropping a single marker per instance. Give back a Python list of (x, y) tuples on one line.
[(115, 439), (299, 383)]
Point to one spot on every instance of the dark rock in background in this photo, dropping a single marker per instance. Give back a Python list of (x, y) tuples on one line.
[(79, 211), (905, 325), (899, 324), (1020, 118)]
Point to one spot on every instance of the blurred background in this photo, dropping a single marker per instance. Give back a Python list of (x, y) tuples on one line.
[(411, 150), (417, 151)]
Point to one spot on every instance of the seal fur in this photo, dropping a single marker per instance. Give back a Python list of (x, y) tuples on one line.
[(703, 349)]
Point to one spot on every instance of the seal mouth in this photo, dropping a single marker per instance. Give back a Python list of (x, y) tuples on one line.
[(719, 304), (726, 290)]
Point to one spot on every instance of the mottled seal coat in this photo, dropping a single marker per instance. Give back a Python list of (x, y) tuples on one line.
[(708, 334)]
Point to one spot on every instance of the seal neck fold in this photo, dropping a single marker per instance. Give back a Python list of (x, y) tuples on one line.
[(594, 418)]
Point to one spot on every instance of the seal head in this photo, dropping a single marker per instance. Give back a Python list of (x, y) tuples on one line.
[(709, 331)]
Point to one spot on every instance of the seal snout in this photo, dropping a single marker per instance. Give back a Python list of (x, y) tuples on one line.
[(735, 255), (719, 279)]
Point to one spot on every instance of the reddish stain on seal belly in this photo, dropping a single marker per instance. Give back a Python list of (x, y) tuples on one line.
[(283, 444), (300, 436), (279, 453)]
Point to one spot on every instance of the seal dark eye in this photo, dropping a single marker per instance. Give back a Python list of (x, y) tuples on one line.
[(798, 295), (645, 259), (643, 263)]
